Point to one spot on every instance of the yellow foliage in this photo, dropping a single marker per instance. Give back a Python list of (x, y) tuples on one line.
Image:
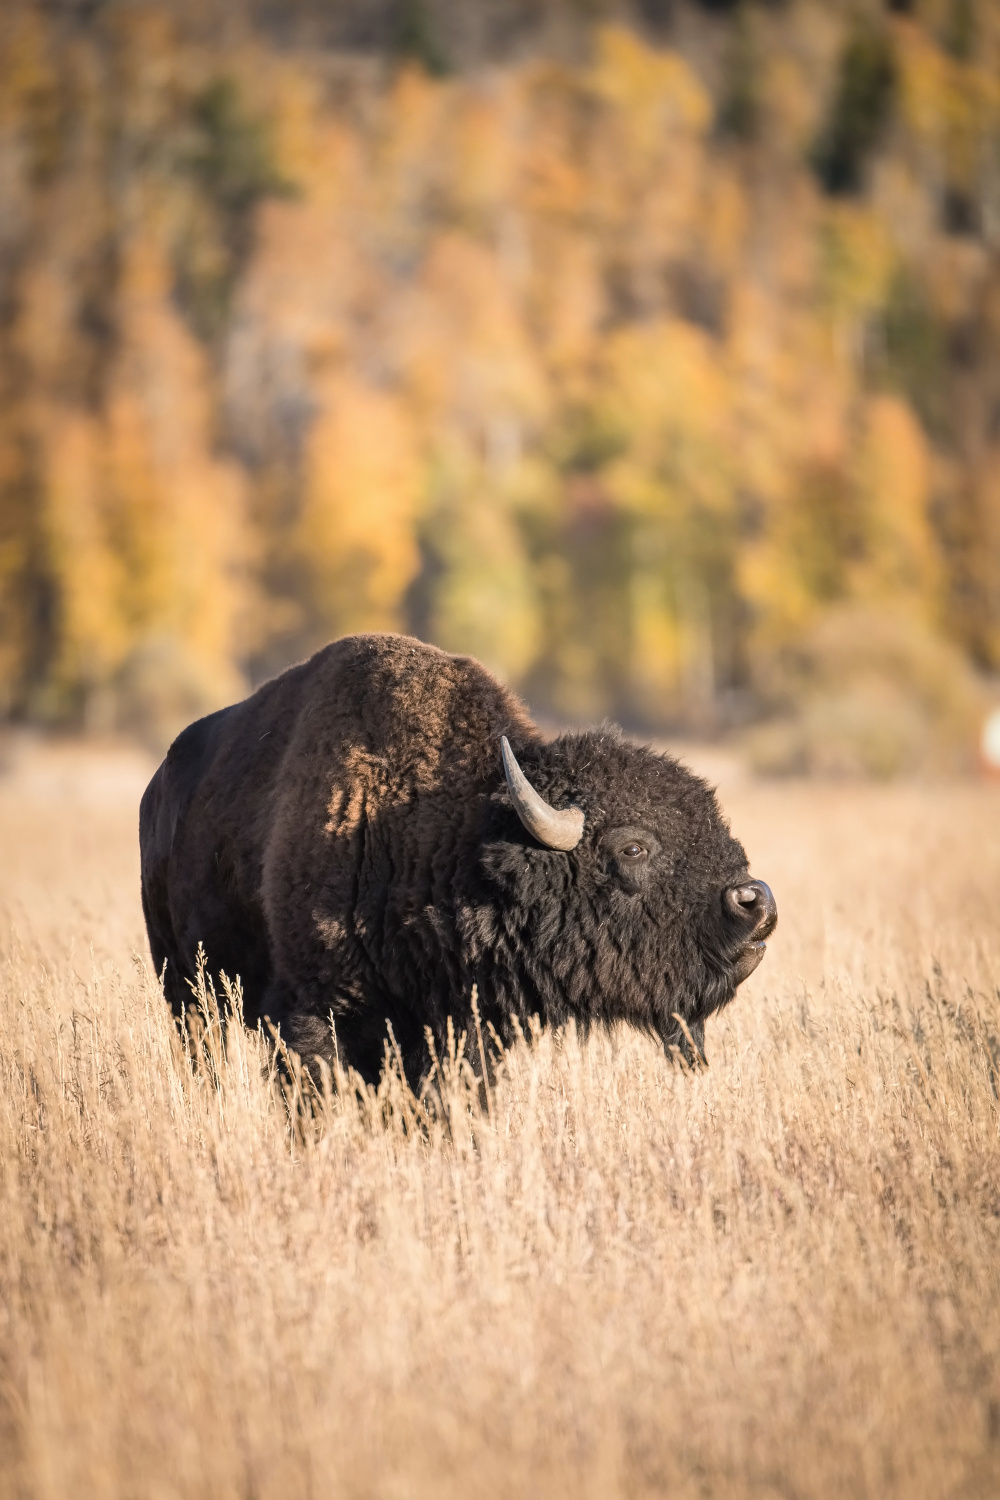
[(462, 342), (482, 155), (857, 259), (178, 505), (89, 563), (894, 475), (952, 106), (726, 220), (487, 605), (28, 78), (654, 92), (362, 493), (537, 358), (667, 393)]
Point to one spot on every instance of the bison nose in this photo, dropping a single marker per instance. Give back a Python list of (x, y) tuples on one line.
[(752, 904)]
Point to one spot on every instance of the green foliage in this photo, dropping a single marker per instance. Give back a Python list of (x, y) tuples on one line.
[(584, 562), (415, 37), (911, 354), (740, 106), (826, 533), (231, 163), (859, 111), (586, 439), (960, 30), (233, 158)]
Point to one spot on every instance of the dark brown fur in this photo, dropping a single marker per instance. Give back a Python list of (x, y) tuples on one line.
[(344, 841)]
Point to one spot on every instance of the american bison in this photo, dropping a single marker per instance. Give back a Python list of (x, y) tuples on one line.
[(376, 831)]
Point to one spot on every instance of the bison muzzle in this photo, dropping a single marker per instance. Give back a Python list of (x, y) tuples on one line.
[(377, 831)]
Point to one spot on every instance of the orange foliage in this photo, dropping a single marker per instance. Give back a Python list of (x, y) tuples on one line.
[(362, 493), (533, 359)]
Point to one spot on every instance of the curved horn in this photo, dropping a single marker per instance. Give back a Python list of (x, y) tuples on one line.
[(551, 827)]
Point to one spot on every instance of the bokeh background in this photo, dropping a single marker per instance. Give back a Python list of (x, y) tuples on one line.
[(650, 352)]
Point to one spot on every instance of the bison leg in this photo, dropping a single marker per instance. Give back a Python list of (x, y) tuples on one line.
[(165, 952), (358, 1035)]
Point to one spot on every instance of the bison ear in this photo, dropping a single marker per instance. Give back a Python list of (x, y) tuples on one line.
[(555, 828)]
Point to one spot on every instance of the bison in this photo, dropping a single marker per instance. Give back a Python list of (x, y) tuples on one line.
[(382, 828)]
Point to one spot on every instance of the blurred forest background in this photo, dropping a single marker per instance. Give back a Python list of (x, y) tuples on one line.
[(650, 352)]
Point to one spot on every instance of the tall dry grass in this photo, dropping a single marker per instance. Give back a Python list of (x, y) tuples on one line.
[(778, 1278)]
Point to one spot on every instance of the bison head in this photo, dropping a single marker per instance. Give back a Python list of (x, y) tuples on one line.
[(618, 891)]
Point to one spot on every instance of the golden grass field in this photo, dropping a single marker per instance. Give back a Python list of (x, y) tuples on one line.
[(780, 1277)]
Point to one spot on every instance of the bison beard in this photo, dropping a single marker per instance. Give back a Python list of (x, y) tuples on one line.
[(347, 841)]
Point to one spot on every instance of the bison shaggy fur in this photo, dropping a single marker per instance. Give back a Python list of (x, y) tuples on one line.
[(344, 840)]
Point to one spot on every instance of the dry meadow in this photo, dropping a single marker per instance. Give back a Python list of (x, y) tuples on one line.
[(779, 1277)]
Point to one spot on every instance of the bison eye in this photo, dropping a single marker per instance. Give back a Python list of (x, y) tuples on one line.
[(627, 852), (634, 853)]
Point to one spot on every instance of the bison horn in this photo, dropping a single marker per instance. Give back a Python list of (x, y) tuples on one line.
[(554, 828)]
